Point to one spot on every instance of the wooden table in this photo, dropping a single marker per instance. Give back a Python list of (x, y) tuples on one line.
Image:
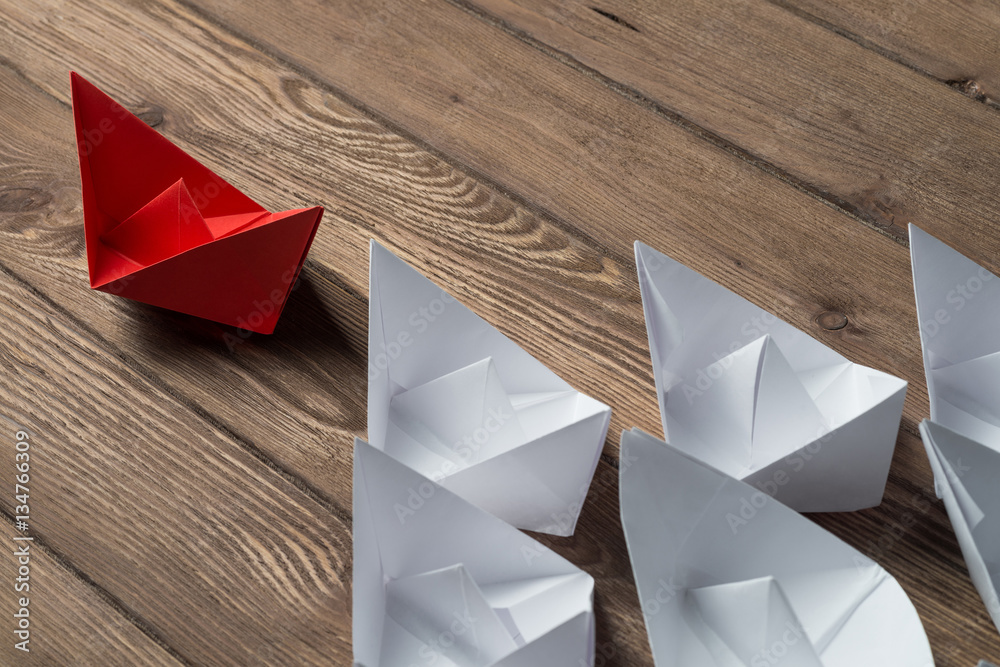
[(191, 493)]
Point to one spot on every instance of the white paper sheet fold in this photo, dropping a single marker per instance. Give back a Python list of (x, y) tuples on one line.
[(967, 473), (762, 401), (460, 403), (729, 577), (958, 308), (440, 581)]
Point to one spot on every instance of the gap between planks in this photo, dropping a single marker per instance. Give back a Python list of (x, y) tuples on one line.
[(888, 54), (830, 199), (102, 593)]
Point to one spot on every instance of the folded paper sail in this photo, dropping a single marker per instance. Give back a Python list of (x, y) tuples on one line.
[(729, 577), (163, 229), (460, 403), (966, 474), (958, 308), (439, 581), (762, 401)]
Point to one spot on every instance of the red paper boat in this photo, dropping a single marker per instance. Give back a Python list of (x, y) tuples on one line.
[(163, 229)]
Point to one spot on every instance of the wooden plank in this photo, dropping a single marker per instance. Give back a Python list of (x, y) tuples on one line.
[(575, 288), (605, 169), (884, 142), (954, 42), (70, 622), (223, 559)]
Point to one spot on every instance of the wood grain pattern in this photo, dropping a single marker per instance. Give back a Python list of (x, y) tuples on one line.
[(884, 142), (662, 194), (954, 42), (519, 186), (155, 505), (71, 623)]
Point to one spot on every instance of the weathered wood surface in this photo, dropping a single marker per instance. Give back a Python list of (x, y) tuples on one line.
[(71, 621), (514, 178), (220, 558), (882, 141), (954, 42)]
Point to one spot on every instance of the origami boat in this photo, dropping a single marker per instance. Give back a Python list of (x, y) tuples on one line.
[(163, 229), (729, 577), (762, 401), (463, 405), (442, 582)]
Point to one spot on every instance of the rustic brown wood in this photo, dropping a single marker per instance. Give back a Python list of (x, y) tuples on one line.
[(71, 623), (954, 42), (268, 103), (220, 557), (888, 144)]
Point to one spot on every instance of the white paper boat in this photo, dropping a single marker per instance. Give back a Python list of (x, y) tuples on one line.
[(460, 403), (729, 577), (762, 401), (438, 581)]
